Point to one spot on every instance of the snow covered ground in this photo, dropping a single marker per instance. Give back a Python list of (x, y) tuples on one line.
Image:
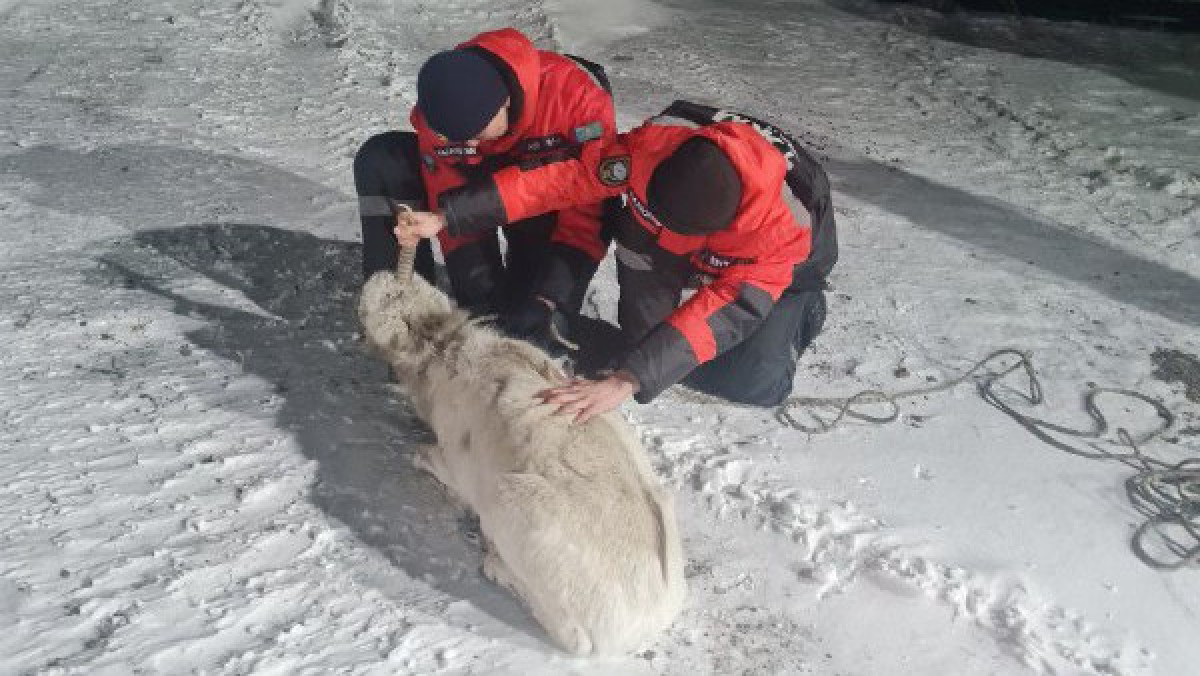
[(202, 472)]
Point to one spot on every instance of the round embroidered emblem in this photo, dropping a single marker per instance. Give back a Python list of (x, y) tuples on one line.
[(614, 170)]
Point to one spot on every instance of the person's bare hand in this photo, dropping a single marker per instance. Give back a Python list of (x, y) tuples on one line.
[(589, 398), (413, 226)]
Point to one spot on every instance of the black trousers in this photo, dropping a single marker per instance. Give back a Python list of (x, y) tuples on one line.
[(759, 370), (387, 174)]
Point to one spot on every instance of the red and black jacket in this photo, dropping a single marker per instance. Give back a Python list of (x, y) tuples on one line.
[(748, 265), (558, 104)]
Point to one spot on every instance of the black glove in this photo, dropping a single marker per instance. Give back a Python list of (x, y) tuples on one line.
[(540, 322)]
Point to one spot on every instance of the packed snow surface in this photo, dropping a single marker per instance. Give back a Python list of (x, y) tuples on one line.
[(203, 472)]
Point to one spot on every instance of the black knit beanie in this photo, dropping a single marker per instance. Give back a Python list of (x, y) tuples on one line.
[(695, 191), (459, 92)]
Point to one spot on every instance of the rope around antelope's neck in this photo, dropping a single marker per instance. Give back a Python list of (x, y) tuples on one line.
[(1167, 494)]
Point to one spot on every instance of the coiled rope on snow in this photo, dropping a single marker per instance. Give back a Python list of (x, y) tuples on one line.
[(1167, 494)]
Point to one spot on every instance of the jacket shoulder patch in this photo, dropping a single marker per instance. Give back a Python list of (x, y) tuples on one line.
[(614, 171), (588, 132)]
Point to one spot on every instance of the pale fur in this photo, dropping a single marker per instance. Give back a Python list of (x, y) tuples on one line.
[(575, 522)]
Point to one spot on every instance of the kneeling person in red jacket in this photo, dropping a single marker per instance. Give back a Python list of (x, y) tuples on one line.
[(493, 102), (713, 200)]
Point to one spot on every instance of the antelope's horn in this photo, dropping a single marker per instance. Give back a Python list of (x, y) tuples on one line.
[(406, 257)]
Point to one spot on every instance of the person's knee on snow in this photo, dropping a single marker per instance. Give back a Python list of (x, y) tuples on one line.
[(761, 369)]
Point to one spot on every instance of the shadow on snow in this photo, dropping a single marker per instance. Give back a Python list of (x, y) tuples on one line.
[(991, 225), (336, 400)]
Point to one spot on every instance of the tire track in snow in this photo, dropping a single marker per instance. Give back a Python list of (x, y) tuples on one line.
[(127, 498)]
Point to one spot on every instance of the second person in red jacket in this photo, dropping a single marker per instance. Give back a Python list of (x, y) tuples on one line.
[(493, 102), (715, 201)]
